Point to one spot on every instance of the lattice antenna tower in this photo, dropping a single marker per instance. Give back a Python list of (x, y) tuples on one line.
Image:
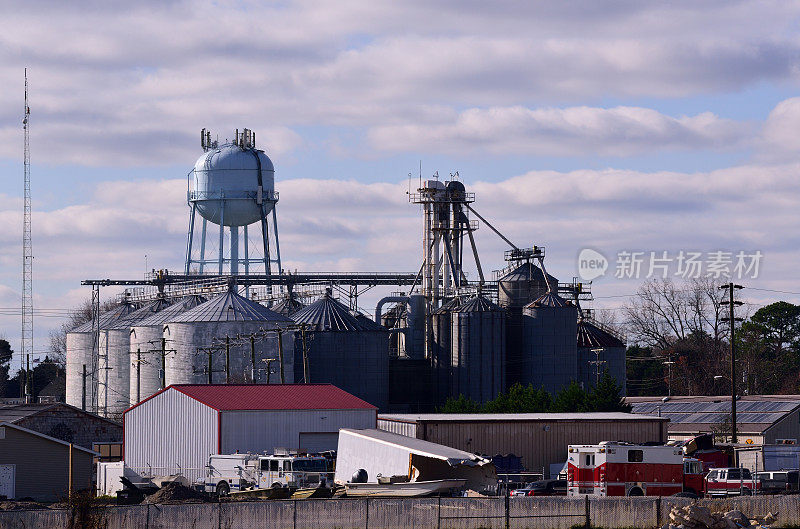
[(27, 251)]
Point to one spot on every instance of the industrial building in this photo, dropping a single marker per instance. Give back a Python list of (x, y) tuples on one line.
[(541, 439), (175, 430), (760, 419), (64, 422), (38, 466), (236, 316)]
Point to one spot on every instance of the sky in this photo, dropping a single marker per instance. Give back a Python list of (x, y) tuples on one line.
[(623, 127)]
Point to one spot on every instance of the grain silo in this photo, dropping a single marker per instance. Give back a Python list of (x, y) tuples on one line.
[(217, 334), (441, 348), (146, 341), (115, 361), (478, 350), (599, 350), (287, 306), (336, 347), (83, 357), (520, 286), (523, 284), (549, 352)]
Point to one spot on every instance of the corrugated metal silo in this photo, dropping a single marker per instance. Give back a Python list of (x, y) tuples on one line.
[(198, 337), (113, 391), (145, 351), (598, 344), (519, 287), (442, 327), (549, 352), (348, 352), (80, 344), (478, 349), (396, 318), (287, 306), (522, 285)]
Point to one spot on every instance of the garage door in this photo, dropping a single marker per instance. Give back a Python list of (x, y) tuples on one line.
[(319, 441), (7, 480)]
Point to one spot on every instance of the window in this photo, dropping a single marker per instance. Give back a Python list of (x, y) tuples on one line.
[(713, 474), (746, 474), (635, 456), (734, 474), (109, 452), (264, 465), (273, 466)]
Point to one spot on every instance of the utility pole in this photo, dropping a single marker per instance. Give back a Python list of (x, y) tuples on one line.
[(138, 375), (227, 359), (83, 389), (280, 355), (164, 363), (209, 365), (305, 354), (731, 304), (253, 359), (669, 363), (27, 251)]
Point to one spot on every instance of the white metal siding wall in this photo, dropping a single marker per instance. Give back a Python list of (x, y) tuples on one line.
[(168, 433), (408, 429), (265, 430)]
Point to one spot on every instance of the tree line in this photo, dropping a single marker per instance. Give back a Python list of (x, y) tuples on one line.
[(606, 396), (678, 337)]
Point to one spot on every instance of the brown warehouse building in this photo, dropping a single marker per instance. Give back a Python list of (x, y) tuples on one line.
[(541, 439), (37, 466)]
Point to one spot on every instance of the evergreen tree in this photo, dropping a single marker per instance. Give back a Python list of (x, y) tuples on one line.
[(5, 366), (607, 396), (571, 399), (520, 399), (460, 405)]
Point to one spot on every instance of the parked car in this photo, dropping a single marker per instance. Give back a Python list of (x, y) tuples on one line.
[(731, 482), (778, 481), (545, 487)]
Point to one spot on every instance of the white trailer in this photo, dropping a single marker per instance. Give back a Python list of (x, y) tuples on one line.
[(237, 472)]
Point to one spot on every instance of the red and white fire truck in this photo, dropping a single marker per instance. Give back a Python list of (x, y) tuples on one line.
[(622, 469)]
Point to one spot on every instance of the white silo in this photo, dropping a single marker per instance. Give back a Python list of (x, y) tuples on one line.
[(197, 338), (146, 352), (232, 186), (83, 357), (115, 362)]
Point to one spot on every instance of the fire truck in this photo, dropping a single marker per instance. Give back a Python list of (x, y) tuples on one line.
[(622, 469)]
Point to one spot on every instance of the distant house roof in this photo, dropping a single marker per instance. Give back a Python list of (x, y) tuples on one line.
[(515, 417), (55, 388), (13, 413), (43, 436), (228, 397), (754, 413)]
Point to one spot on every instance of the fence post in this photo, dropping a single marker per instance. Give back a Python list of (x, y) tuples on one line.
[(366, 513), (588, 513), (439, 514), (508, 512), (294, 515), (147, 517), (219, 514), (658, 512)]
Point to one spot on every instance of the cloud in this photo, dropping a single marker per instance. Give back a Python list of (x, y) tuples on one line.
[(574, 131), (132, 86)]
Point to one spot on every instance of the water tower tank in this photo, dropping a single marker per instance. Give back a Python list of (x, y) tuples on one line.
[(225, 185)]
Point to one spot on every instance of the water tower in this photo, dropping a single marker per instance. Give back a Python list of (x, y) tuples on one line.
[(232, 186)]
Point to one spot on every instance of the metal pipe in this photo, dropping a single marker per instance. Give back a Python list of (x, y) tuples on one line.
[(392, 299), (514, 246)]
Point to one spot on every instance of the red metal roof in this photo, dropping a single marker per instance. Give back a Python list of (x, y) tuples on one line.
[(223, 397)]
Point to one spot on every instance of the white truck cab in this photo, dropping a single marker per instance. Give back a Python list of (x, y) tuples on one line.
[(236, 472)]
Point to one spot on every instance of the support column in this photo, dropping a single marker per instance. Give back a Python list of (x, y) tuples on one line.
[(203, 246), (234, 268), (221, 236), (190, 238)]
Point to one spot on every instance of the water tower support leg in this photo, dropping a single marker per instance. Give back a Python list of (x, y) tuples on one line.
[(190, 237), (277, 243), (203, 246), (221, 236), (234, 250)]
